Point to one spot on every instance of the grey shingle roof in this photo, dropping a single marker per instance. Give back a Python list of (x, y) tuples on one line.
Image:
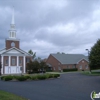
[(69, 58)]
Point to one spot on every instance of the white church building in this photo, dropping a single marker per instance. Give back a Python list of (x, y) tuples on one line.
[(13, 59)]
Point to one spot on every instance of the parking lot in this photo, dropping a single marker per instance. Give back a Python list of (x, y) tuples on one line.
[(70, 86)]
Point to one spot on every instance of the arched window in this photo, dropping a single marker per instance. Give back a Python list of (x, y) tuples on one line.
[(12, 44)]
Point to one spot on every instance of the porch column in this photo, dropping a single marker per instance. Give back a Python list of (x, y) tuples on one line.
[(17, 61), (9, 69), (2, 64), (9, 61), (24, 65)]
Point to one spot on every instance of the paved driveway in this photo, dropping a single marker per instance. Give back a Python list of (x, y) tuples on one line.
[(71, 86)]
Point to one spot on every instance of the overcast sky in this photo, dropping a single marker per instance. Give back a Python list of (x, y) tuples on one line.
[(51, 26)]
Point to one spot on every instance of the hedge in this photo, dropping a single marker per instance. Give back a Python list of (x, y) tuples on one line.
[(68, 70), (41, 77), (35, 77), (7, 78)]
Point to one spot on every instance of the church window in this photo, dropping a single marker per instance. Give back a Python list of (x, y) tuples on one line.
[(6, 61), (73, 66), (13, 61), (86, 66), (20, 61), (12, 44), (59, 68), (80, 67)]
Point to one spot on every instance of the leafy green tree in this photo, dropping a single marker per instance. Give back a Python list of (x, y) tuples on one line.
[(43, 65), (94, 56), (35, 66), (33, 54)]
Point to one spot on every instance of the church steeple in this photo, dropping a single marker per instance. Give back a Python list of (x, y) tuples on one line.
[(12, 31), (12, 41)]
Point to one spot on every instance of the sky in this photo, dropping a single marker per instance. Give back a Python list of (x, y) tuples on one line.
[(51, 26)]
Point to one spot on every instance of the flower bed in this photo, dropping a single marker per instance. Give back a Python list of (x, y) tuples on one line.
[(28, 77)]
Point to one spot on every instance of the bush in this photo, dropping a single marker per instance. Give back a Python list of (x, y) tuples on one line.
[(68, 70), (2, 77), (34, 77), (27, 77), (56, 75), (21, 78), (41, 77), (7, 78), (50, 75)]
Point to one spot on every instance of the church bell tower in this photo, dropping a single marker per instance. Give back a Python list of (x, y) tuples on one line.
[(12, 41)]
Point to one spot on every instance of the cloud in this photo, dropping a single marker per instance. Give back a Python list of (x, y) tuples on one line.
[(50, 26)]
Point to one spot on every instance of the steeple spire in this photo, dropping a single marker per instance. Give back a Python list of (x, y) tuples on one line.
[(12, 31), (13, 21)]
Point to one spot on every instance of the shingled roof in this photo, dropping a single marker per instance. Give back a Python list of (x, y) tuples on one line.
[(69, 58)]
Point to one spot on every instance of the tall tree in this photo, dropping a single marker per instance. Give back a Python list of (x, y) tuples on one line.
[(58, 52), (33, 54), (94, 56)]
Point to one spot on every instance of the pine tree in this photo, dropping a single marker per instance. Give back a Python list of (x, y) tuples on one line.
[(94, 56)]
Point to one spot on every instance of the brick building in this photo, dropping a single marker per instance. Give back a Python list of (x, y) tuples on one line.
[(58, 62)]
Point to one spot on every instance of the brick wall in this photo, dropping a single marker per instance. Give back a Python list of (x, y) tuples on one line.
[(54, 63), (8, 44), (83, 63)]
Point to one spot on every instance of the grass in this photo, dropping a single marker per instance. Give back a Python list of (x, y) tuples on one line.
[(9, 96), (53, 72), (61, 72), (92, 73)]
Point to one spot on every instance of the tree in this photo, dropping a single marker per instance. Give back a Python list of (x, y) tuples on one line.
[(43, 65), (58, 52), (94, 56), (63, 53), (35, 66), (32, 67), (33, 54)]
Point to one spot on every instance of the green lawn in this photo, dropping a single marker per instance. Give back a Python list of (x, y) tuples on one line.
[(10, 96), (92, 73), (53, 72), (61, 72)]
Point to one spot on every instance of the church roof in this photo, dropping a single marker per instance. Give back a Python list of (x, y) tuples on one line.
[(14, 51), (69, 58)]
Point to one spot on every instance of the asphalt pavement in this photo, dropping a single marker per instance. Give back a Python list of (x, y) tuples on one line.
[(70, 86)]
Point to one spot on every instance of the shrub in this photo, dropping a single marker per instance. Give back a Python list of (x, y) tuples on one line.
[(56, 75), (68, 70), (21, 78), (51, 76), (34, 77), (7, 78), (2, 77), (27, 77), (41, 77)]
